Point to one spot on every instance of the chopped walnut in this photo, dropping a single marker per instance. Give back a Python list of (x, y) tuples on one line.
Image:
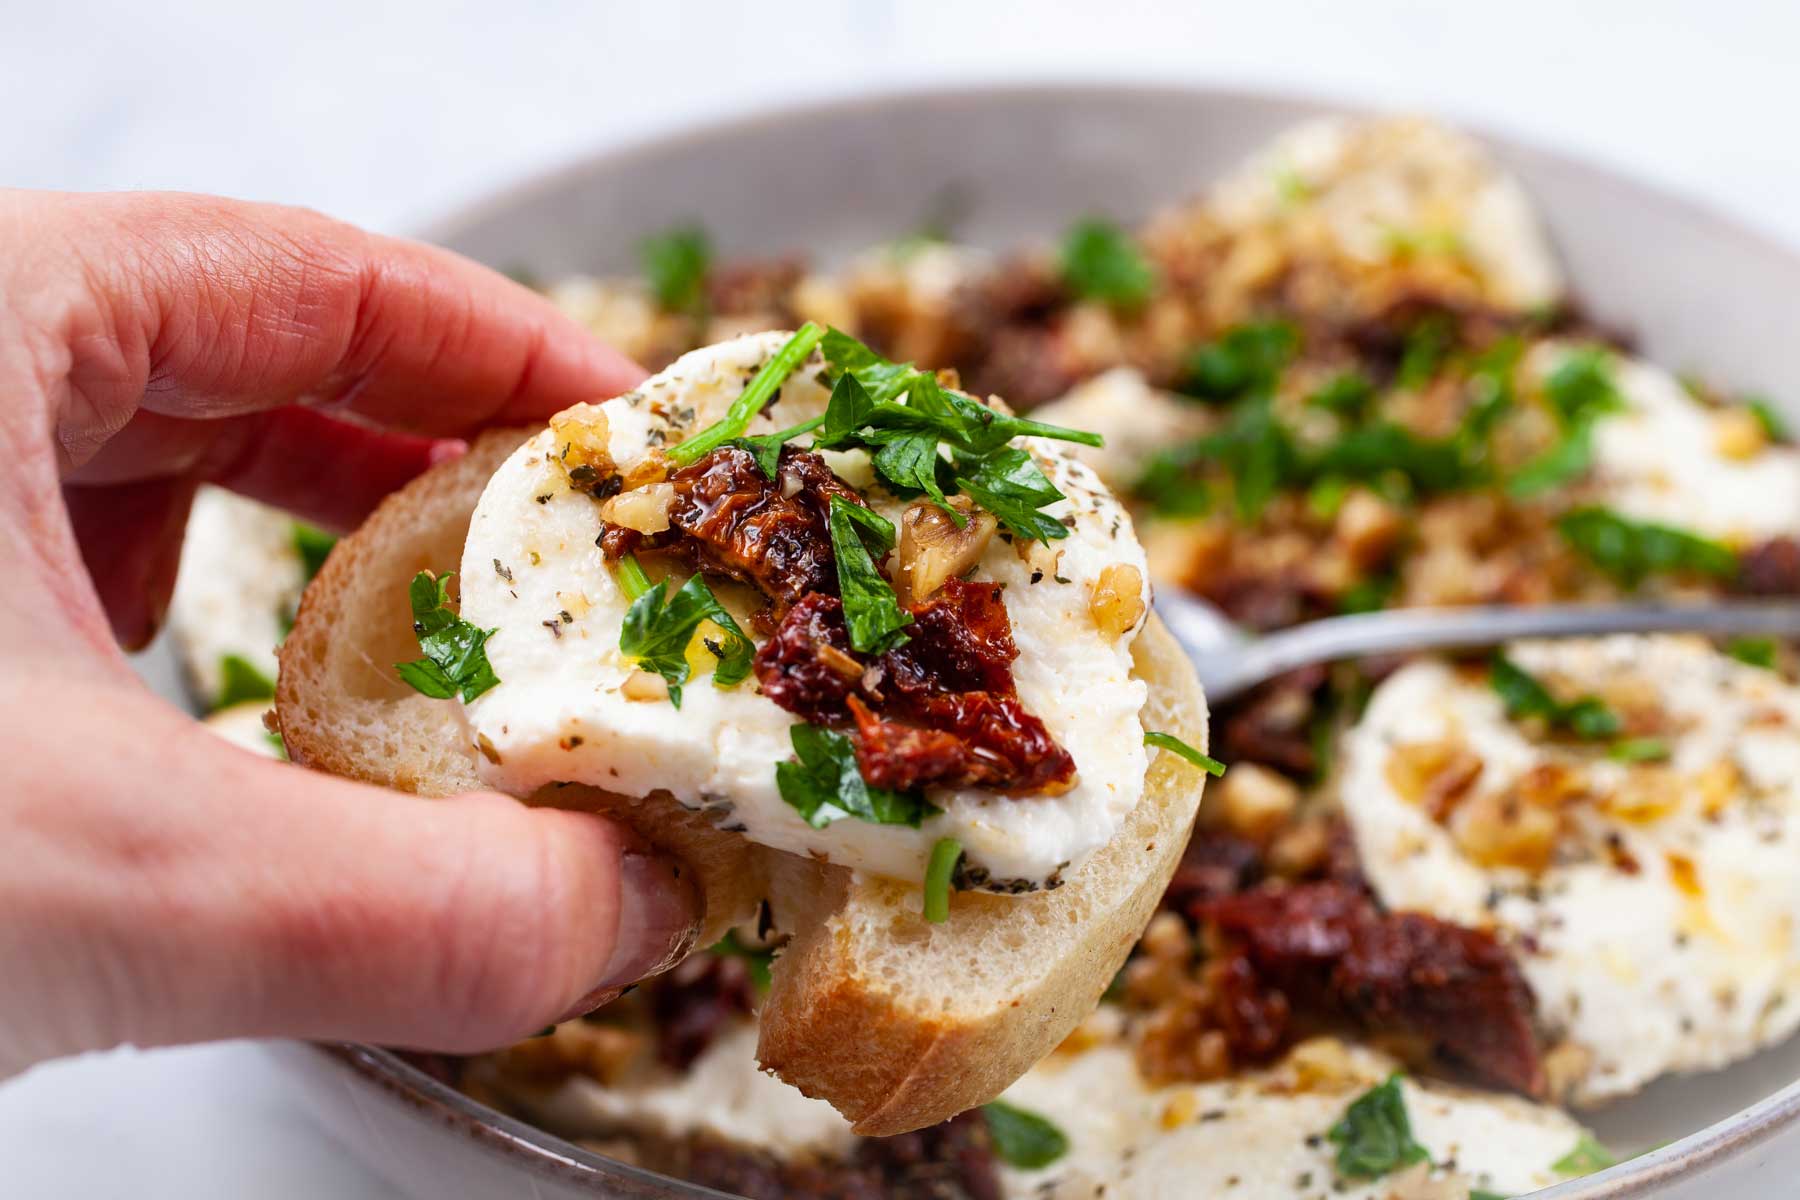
[(642, 510), (645, 688), (1255, 802), (600, 1052), (1117, 604), (582, 440), (1435, 775)]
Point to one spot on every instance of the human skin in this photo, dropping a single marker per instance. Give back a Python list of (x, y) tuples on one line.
[(159, 885)]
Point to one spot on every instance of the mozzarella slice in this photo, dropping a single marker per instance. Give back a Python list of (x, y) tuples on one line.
[(531, 571), (1661, 936), (1253, 1136), (1668, 458)]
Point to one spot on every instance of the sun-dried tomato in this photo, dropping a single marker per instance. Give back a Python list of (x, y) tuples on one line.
[(1332, 953), (940, 710), (729, 518), (692, 1004)]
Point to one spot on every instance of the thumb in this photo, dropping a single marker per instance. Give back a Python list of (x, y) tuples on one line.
[(196, 891)]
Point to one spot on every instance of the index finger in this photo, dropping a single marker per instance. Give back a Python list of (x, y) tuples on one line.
[(210, 307)]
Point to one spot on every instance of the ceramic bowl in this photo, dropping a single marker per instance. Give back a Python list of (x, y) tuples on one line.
[(1696, 290)]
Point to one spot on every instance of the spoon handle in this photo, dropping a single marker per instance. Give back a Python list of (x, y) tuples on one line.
[(1227, 670)]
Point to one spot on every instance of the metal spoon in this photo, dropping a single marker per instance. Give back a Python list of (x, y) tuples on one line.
[(1230, 660)]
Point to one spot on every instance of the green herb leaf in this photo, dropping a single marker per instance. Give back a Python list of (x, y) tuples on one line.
[(1773, 423), (1484, 1194), (1372, 451), (1581, 388), (313, 545), (1638, 749), (766, 447), (1587, 1157), (1525, 697), (751, 400), (909, 464), (1009, 484), (871, 610), (1247, 358), (940, 873), (675, 263), (1630, 551), (826, 785), (1022, 1138), (455, 651), (240, 682), (1564, 462), (758, 960), (1101, 262), (1174, 745), (1347, 394), (1368, 595), (657, 633), (1756, 651), (1374, 1137), (1427, 347)]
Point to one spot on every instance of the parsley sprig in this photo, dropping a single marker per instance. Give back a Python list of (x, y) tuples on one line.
[(757, 393), (1023, 1138), (824, 784), (1374, 1137), (1524, 696), (1174, 745), (455, 651), (872, 611), (1631, 551), (675, 263), (1100, 262), (1580, 391), (658, 629), (940, 875)]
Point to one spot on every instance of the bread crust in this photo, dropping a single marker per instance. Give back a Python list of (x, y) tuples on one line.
[(892, 1048)]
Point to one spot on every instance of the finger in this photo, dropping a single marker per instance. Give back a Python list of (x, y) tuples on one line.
[(130, 539), (234, 896), (207, 307)]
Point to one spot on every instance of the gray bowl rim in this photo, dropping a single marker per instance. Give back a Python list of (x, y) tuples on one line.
[(540, 1152)]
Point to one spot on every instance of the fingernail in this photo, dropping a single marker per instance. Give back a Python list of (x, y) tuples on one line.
[(445, 450), (659, 921)]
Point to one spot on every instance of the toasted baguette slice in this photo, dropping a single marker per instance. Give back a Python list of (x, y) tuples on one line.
[(896, 1022)]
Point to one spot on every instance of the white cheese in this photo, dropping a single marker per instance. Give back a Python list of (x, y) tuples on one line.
[(1662, 936), (1252, 1137), (236, 588), (559, 714), (1660, 460), (1370, 185), (1136, 420)]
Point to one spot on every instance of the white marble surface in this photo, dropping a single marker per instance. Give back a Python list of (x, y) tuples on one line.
[(391, 114)]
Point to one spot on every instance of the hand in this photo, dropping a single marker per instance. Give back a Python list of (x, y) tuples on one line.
[(159, 885)]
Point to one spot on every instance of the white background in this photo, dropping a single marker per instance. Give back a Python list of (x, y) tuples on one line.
[(392, 114)]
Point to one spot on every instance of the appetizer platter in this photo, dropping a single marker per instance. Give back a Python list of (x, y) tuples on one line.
[(849, 604)]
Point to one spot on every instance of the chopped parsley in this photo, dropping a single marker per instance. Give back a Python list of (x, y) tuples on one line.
[(1630, 551), (1368, 595), (940, 874), (241, 681), (826, 785), (1484, 1194), (1022, 1138), (455, 651), (1348, 394), (1524, 696), (658, 629), (871, 610), (1756, 651), (1374, 1136), (1174, 745), (1579, 391), (1427, 346), (1100, 262), (751, 400), (758, 960), (1246, 358), (1585, 1158), (675, 263), (1774, 425), (907, 419), (313, 545), (1638, 749), (766, 447), (1009, 484)]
